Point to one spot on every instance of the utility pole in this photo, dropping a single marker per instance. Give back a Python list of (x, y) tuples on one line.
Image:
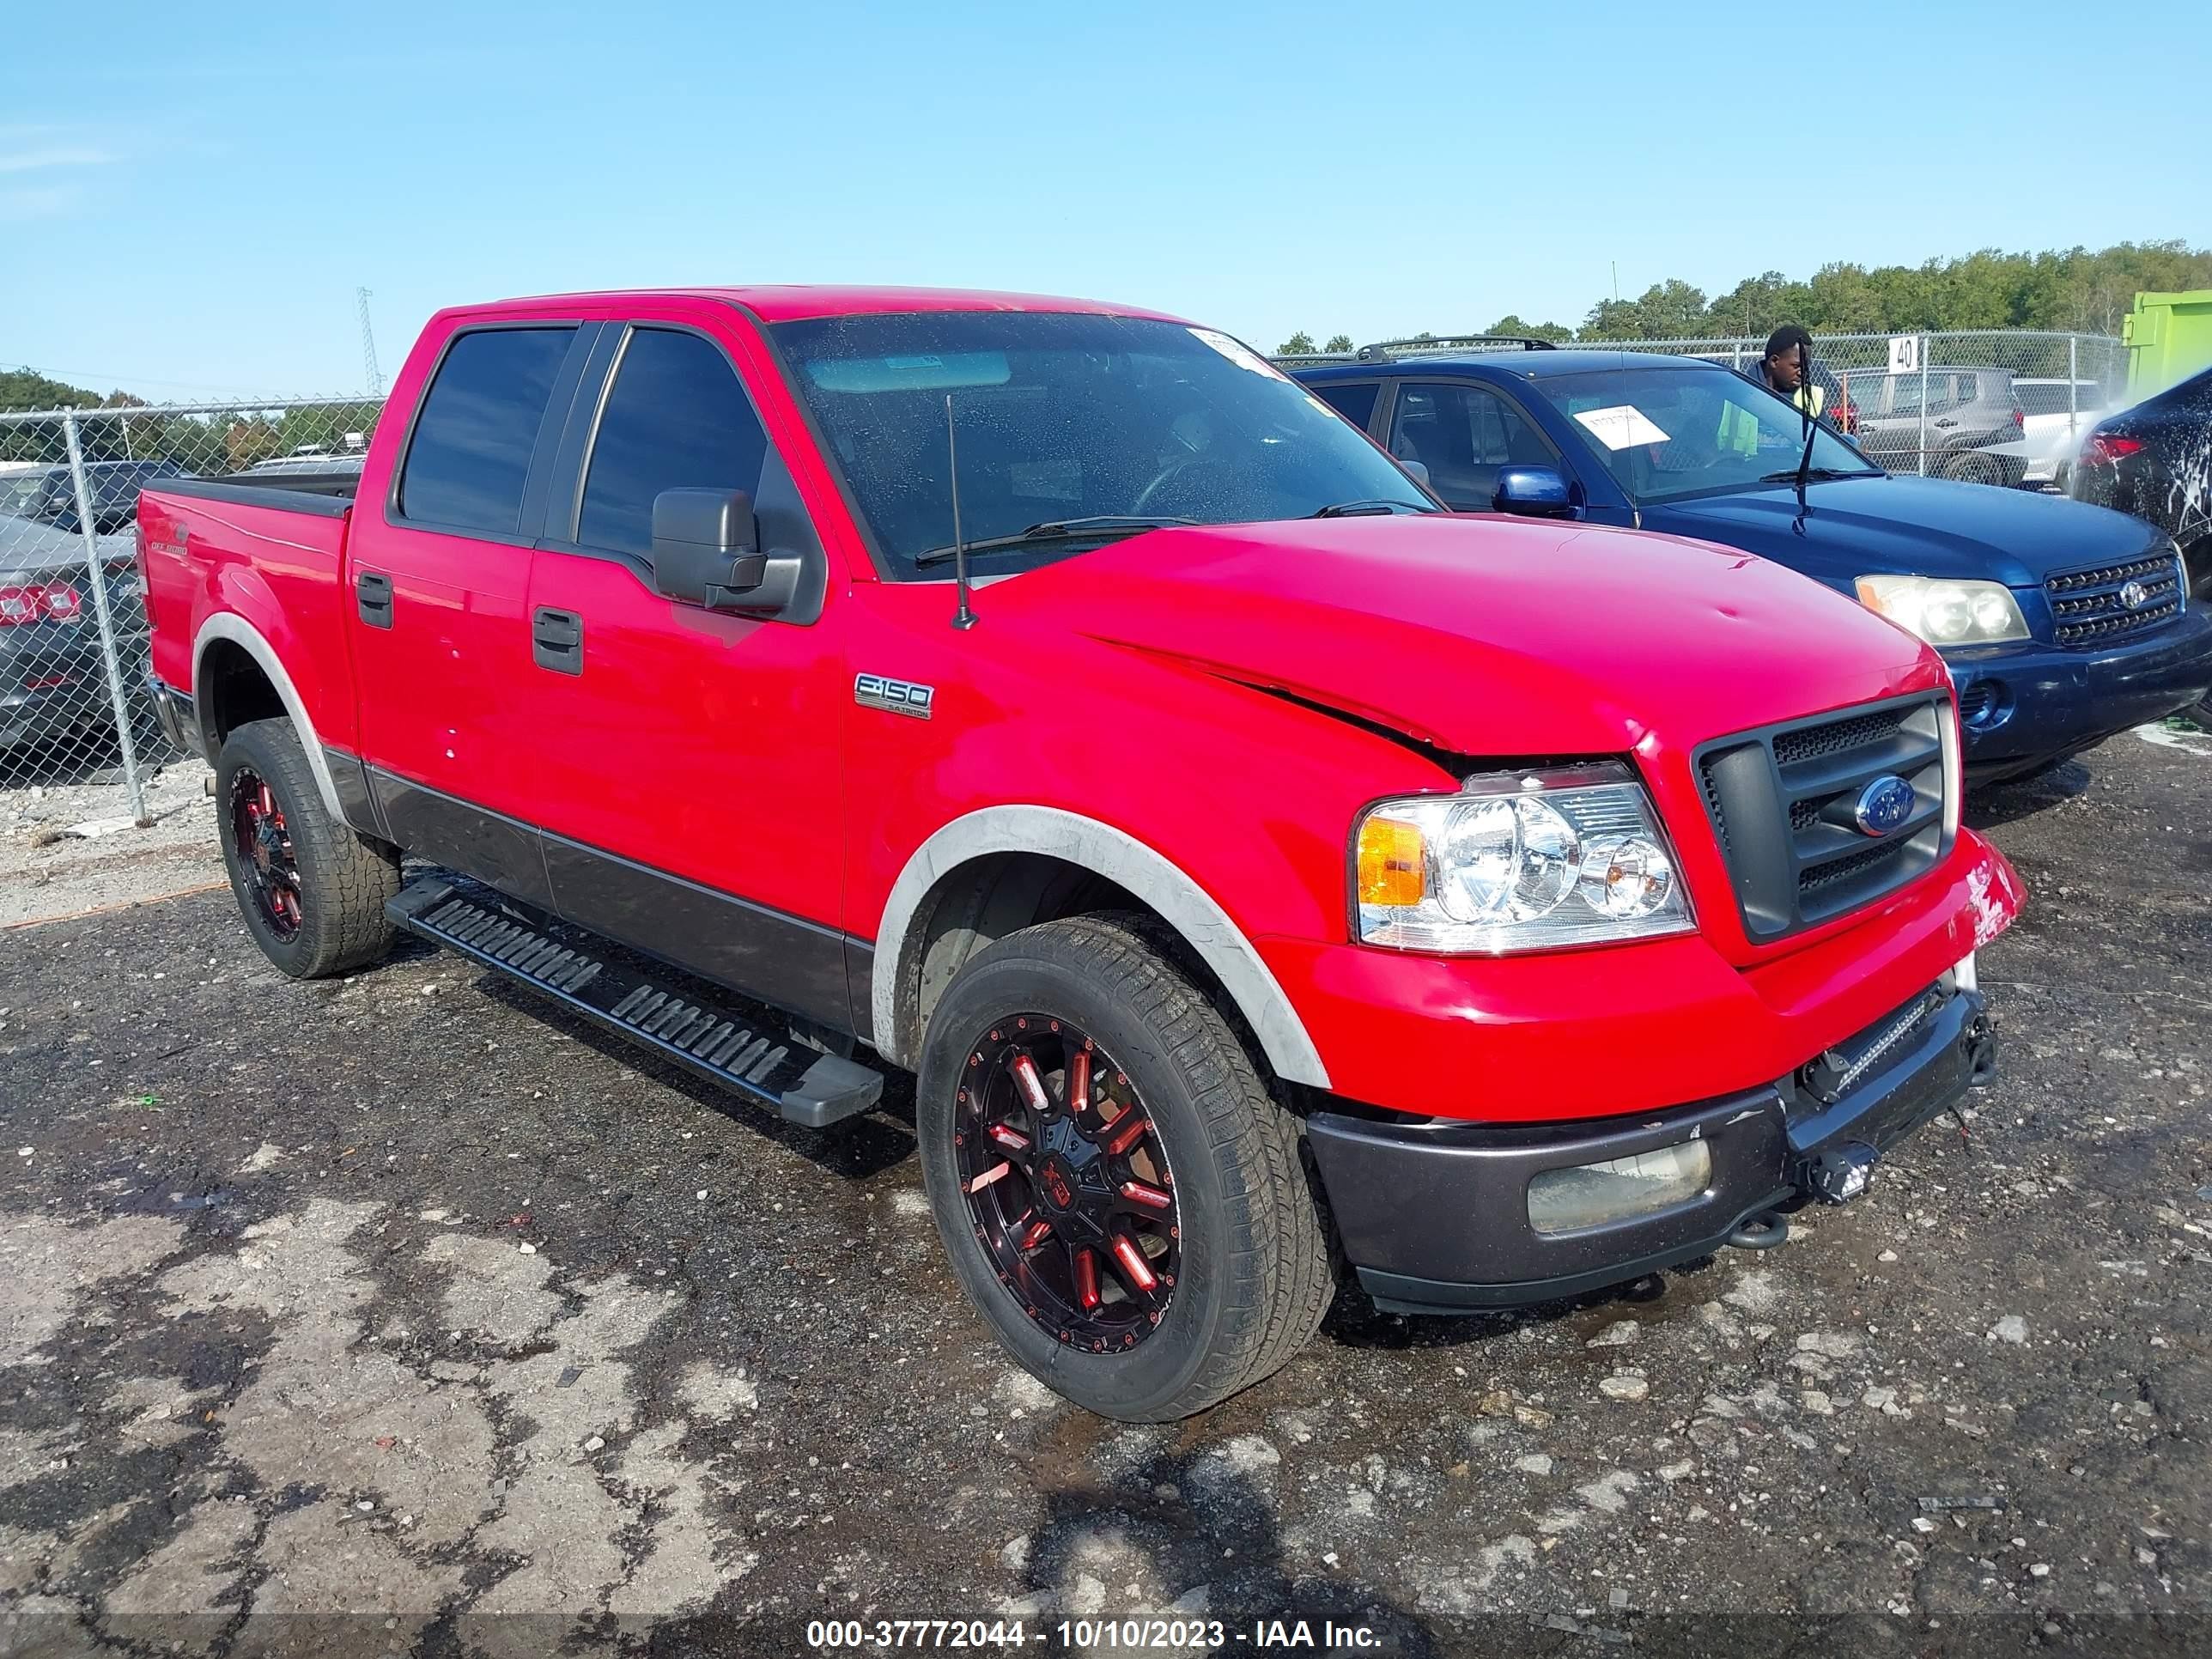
[(375, 375)]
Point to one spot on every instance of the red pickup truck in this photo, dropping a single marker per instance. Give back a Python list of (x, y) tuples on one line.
[(1264, 871)]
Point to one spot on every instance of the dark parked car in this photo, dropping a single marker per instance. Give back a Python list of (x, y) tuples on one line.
[(2061, 624), (49, 497), (2154, 460), (53, 681)]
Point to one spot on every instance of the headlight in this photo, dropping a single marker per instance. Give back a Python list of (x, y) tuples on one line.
[(1517, 861), (1946, 612)]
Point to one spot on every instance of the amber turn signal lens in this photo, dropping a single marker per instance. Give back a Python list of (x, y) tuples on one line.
[(1391, 865)]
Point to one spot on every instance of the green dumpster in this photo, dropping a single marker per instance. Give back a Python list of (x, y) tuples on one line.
[(2169, 338)]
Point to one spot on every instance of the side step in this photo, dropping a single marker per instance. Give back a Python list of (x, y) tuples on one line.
[(806, 1086)]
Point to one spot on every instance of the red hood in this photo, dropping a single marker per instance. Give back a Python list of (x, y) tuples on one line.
[(1488, 636)]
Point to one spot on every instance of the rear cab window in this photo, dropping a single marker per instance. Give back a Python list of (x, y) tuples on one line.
[(469, 455)]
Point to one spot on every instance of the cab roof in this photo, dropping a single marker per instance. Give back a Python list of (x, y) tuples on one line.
[(794, 302)]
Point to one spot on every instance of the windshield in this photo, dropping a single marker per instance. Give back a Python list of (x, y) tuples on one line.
[(1061, 417), (1666, 433)]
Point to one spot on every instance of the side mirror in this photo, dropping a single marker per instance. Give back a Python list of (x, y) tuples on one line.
[(705, 548), (1537, 491), (1419, 471)]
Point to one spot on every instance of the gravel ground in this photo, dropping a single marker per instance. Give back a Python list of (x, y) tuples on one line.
[(70, 848), (397, 1315)]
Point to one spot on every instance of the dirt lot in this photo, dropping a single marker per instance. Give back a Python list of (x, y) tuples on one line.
[(395, 1315)]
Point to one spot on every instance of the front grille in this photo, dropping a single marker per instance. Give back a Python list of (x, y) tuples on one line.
[(2093, 607), (1784, 804), (1810, 742)]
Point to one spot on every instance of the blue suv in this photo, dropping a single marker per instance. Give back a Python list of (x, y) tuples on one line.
[(2062, 623)]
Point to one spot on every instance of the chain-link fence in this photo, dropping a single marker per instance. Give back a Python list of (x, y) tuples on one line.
[(1996, 407), (74, 637)]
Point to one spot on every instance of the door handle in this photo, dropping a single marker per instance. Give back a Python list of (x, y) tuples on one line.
[(1946, 423), (556, 641), (373, 592)]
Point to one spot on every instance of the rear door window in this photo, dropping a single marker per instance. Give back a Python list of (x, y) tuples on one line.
[(677, 417), (1353, 399), (470, 454)]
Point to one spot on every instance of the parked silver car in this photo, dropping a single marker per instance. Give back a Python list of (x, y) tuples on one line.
[(1967, 412)]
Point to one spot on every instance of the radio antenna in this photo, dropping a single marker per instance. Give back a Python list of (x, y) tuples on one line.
[(963, 617)]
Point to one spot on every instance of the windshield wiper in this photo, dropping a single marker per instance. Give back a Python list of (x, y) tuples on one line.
[(1366, 505), (1811, 472), (1098, 525)]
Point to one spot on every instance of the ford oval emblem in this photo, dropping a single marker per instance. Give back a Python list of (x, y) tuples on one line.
[(2135, 596), (1884, 803)]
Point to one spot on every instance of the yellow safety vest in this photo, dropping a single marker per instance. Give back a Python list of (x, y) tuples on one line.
[(1739, 427)]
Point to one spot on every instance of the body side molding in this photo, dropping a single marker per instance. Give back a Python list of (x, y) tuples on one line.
[(1122, 858)]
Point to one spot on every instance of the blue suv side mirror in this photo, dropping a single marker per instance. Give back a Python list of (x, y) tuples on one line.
[(1539, 491)]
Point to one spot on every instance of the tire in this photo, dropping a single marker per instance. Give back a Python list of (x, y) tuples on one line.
[(1971, 467), (1253, 1276), (333, 921)]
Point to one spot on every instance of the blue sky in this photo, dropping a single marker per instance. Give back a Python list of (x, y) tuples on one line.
[(188, 202)]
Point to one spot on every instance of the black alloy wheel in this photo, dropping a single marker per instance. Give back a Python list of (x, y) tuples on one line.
[(262, 845), (1068, 1183)]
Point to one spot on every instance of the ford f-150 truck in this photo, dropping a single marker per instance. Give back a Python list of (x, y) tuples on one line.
[(1266, 871)]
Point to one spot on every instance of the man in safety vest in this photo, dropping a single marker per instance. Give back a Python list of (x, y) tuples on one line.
[(1785, 370)]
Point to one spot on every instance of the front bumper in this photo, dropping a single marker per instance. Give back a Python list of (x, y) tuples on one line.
[(1434, 1214), (2022, 704)]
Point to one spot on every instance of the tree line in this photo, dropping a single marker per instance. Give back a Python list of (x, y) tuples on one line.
[(226, 442), (2072, 291)]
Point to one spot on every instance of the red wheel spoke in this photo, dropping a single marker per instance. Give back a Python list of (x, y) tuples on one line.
[(1079, 1080), (1031, 1085), (1010, 1137), (1036, 1233), (1086, 1280), (1134, 1268), (1144, 1192), (997, 1172), (1125, 1132)]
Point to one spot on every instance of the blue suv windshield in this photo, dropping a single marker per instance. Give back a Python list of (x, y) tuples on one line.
[(1066, 418), (1666, 433)]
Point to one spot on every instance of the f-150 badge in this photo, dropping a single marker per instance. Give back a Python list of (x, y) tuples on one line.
[(898, 697)]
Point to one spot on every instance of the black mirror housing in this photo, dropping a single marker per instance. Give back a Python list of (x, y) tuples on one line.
[(706, 547), (1537, 491)]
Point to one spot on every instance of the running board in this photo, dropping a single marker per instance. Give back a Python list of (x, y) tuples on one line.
[(805, 1085)]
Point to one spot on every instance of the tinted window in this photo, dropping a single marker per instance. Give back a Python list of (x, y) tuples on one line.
[(677, 419), (470, 450), (1355, 401), (1946, 389), (1464, 434)]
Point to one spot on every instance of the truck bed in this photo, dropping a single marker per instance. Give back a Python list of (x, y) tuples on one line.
[(329, 494), (264, 562)]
